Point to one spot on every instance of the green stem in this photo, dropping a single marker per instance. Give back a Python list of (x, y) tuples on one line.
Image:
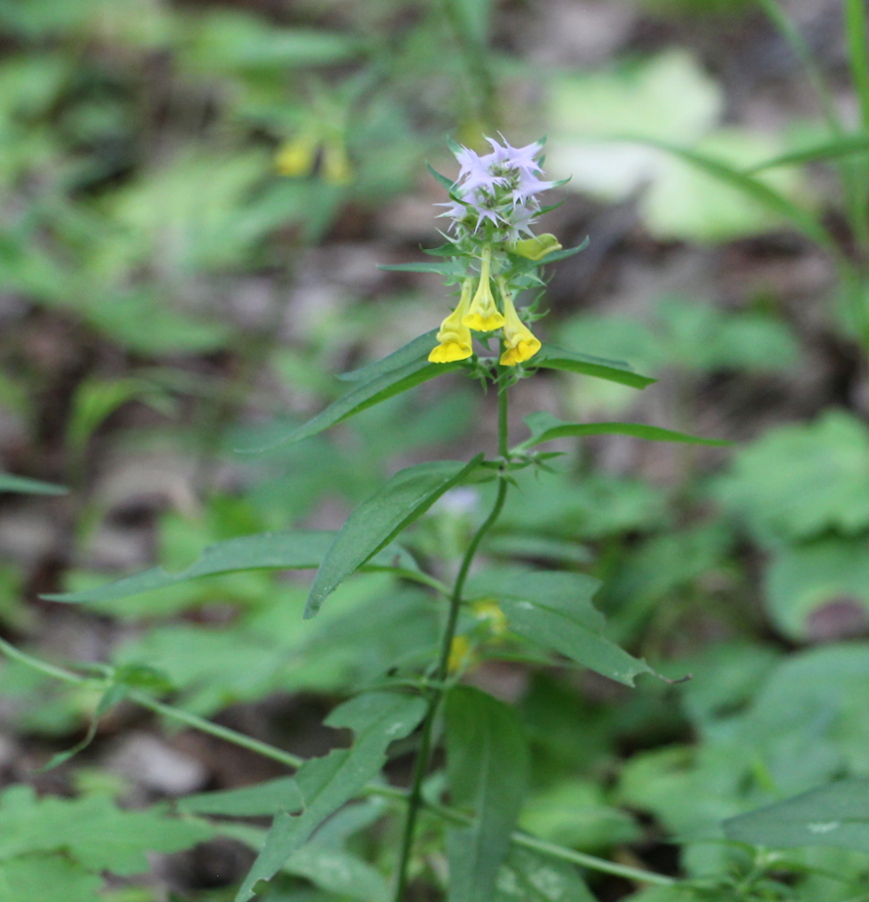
[(423, 758)]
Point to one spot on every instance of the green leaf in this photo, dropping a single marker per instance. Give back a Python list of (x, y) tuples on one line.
[(46, 878), (834, 815), (488, 765), (545, 427), (377, 718), (271, 797), (554, 610), (443, 269), (554, 358), (24, 486), (442, 180), (297, 550), (92, 831), (827, 150), (416, 349), (377, 521), (385, 385)]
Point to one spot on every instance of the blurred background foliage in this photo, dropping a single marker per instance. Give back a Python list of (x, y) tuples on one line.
[(195, 198)]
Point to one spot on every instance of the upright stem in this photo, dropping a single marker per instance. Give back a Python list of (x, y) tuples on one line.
[(423, 759)]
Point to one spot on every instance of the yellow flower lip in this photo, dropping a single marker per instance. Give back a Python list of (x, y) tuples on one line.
[(454, 336), (520, 343), (483, 314)]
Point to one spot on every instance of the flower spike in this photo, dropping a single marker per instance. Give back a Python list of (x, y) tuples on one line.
[(454, 336), (520, 343)]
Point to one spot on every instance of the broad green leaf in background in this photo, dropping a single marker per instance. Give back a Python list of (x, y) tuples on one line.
[(530, 877), (554, 610), (377, 719), (824, 486), (92, 831), (488, 766), (297, 550), (381, 386), (553, 358), (24, 486), (377, 521), (545, 427), (833, 815), (45, 877), (819, 590)]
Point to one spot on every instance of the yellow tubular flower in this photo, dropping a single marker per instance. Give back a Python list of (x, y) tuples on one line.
[(454, 336), (484, 315), (520, 344)]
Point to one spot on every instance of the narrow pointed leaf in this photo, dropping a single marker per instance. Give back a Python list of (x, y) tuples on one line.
[(271, 797), (24, 486), (297, 550), (545, 427), (555, 358), (554, 610), (531, 877), (488, 764), (417, 349), (386, 385), (752, 187), (833, 149), (377, 718), (443, 269), (377, 521), (834, 815)]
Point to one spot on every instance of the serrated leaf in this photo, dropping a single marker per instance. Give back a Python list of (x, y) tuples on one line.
[(271, 797), (24, 486), (377, 521), (416, 349), (554, 610), (377, 718), (488, 766), (386, 385), (92, 831), (555, 358), (297, 550), (834, 815), (46, 878), (545, 427)]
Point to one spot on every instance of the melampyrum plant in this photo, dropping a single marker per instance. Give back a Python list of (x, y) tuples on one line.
[(491, 261)]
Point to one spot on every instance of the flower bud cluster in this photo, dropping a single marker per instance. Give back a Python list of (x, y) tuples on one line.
[(493, 204)]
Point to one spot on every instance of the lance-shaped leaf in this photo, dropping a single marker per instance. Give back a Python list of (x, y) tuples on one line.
[(528, 876), (377, 521), (554, 610), (271, 797), (417, 349), (554, 358), (23, 486), (377, 718), (370, 392), (297, 550), (545, 427), (834, 815), (488, 764)]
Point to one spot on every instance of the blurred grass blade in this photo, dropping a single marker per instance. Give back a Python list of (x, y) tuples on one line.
[(843, 146), (296, 550), (377, 719), (750, 186), (555, 358), (488, 766), (545, 427), (858, 53), (21, 485), (377, 521)]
